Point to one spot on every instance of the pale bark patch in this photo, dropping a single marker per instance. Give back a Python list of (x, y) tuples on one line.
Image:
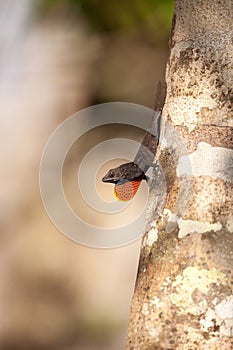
[(185, 285), (230, 225), (215, 162), (190, 226), (150, 237)]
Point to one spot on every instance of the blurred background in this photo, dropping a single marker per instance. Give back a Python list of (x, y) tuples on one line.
[(57, 57)]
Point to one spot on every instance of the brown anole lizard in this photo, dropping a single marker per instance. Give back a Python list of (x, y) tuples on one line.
[(128, 176)]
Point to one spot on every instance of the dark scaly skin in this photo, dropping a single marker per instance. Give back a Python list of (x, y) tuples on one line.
[(125, 172), (136, 170)]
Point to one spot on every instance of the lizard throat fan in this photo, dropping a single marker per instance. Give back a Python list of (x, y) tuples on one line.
[(127, 190)]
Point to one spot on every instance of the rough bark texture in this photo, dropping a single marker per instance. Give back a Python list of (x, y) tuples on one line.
[(183, 297)]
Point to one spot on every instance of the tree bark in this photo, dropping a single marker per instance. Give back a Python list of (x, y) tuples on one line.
[(183, 296)]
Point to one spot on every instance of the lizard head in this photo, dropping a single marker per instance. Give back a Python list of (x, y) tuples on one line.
[(112, 176), (125, 172)]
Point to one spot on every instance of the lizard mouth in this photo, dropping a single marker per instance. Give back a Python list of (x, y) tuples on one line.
[(109, 179)]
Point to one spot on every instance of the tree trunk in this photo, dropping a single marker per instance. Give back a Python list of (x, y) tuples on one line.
[(183, 296)]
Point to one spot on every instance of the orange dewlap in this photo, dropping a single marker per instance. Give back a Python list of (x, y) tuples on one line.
[(126, 191)]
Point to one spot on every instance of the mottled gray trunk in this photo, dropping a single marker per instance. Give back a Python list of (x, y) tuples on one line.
[(183, 297)]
